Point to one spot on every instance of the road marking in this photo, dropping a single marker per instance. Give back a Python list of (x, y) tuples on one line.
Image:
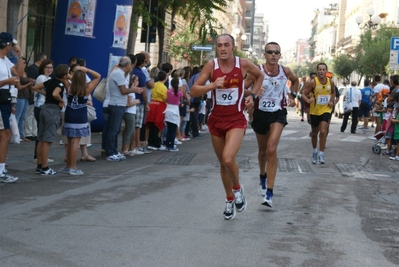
[(354, 139), (290, 135), (287, 132)]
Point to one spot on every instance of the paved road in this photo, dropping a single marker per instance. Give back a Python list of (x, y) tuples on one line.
[(165, 209)]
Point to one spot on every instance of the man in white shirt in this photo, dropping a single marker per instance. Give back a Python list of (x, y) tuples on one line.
[(7, 85), (353, 95)]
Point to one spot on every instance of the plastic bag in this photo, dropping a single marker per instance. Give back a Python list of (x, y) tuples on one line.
[(14, 130), (347, 106), (91, 113)]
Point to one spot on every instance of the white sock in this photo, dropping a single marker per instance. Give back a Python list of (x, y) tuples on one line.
[(315, 150), (2, 167)]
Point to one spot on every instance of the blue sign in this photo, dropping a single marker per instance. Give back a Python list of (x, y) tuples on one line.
[(394, 43), (199, 47), (394, 54)]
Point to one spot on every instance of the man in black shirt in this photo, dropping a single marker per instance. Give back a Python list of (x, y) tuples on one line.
[(50, 116)]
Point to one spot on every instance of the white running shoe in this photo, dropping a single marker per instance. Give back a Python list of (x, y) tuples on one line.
[(138, 152), (230, 210), (314, 157), (6, 178)]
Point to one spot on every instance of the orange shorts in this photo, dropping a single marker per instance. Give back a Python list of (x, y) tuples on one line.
[(220, 125)]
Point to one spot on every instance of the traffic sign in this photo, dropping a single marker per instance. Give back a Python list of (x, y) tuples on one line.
[(199, 47), (394, 54), (395, 43)]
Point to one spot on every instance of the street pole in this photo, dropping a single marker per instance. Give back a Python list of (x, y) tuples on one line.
[(147, 40)]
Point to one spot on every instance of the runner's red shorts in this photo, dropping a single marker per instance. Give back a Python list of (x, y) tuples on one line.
[(220, 125)]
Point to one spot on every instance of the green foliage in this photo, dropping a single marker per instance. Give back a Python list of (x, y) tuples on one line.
[(372, 52), (181, 43), (343, 66), (199, 14), (304, 69), (240, 54)]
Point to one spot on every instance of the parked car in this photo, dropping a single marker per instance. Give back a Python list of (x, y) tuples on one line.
[(339, 108)]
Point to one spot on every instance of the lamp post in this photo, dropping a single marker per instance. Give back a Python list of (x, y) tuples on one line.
[(239, 37), (372, 23)]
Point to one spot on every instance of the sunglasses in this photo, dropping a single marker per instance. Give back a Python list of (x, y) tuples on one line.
[(276, 52)]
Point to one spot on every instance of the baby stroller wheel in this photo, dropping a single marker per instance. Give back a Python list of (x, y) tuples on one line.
[(376, 149)]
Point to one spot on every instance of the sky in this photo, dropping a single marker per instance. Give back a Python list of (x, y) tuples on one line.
[(289, 20)]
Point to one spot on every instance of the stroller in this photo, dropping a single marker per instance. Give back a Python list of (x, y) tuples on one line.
[(380, 141)]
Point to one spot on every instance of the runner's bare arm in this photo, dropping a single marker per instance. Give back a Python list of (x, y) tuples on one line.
[(308, 89), (293, 78), (255, 72), (198, 88)]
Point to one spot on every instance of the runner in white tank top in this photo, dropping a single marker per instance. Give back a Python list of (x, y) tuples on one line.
[(270, 116)]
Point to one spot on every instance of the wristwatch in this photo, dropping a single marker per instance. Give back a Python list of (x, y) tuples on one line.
[(254, 96), (293, 94)]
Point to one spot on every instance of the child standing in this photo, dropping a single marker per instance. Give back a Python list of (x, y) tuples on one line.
[(388, 127), (130, 119), (76, 121), (50, 117), (172, 116), (395, 121)]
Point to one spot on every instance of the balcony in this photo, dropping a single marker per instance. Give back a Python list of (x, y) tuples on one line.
[(345, 41)]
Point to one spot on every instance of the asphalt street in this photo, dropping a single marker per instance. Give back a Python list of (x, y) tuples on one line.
[(165, 209)]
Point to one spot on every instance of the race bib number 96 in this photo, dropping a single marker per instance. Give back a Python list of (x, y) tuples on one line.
[(226, 97)]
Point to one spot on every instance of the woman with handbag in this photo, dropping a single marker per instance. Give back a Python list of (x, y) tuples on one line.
[(76, 120)]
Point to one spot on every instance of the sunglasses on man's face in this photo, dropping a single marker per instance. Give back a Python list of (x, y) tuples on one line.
[(276, 52)]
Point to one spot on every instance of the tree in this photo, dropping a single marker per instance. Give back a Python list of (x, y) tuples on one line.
[(199, 14), (343, 66), (372, 52), (181, 46), (304, 69)]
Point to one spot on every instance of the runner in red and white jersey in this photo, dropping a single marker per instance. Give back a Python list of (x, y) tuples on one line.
[(227, 122)]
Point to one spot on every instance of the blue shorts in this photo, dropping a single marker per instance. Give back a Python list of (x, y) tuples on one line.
[(5, 112), (364, 110)]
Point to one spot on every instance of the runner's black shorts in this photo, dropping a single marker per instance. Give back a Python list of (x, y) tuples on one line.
[(262, 120)]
